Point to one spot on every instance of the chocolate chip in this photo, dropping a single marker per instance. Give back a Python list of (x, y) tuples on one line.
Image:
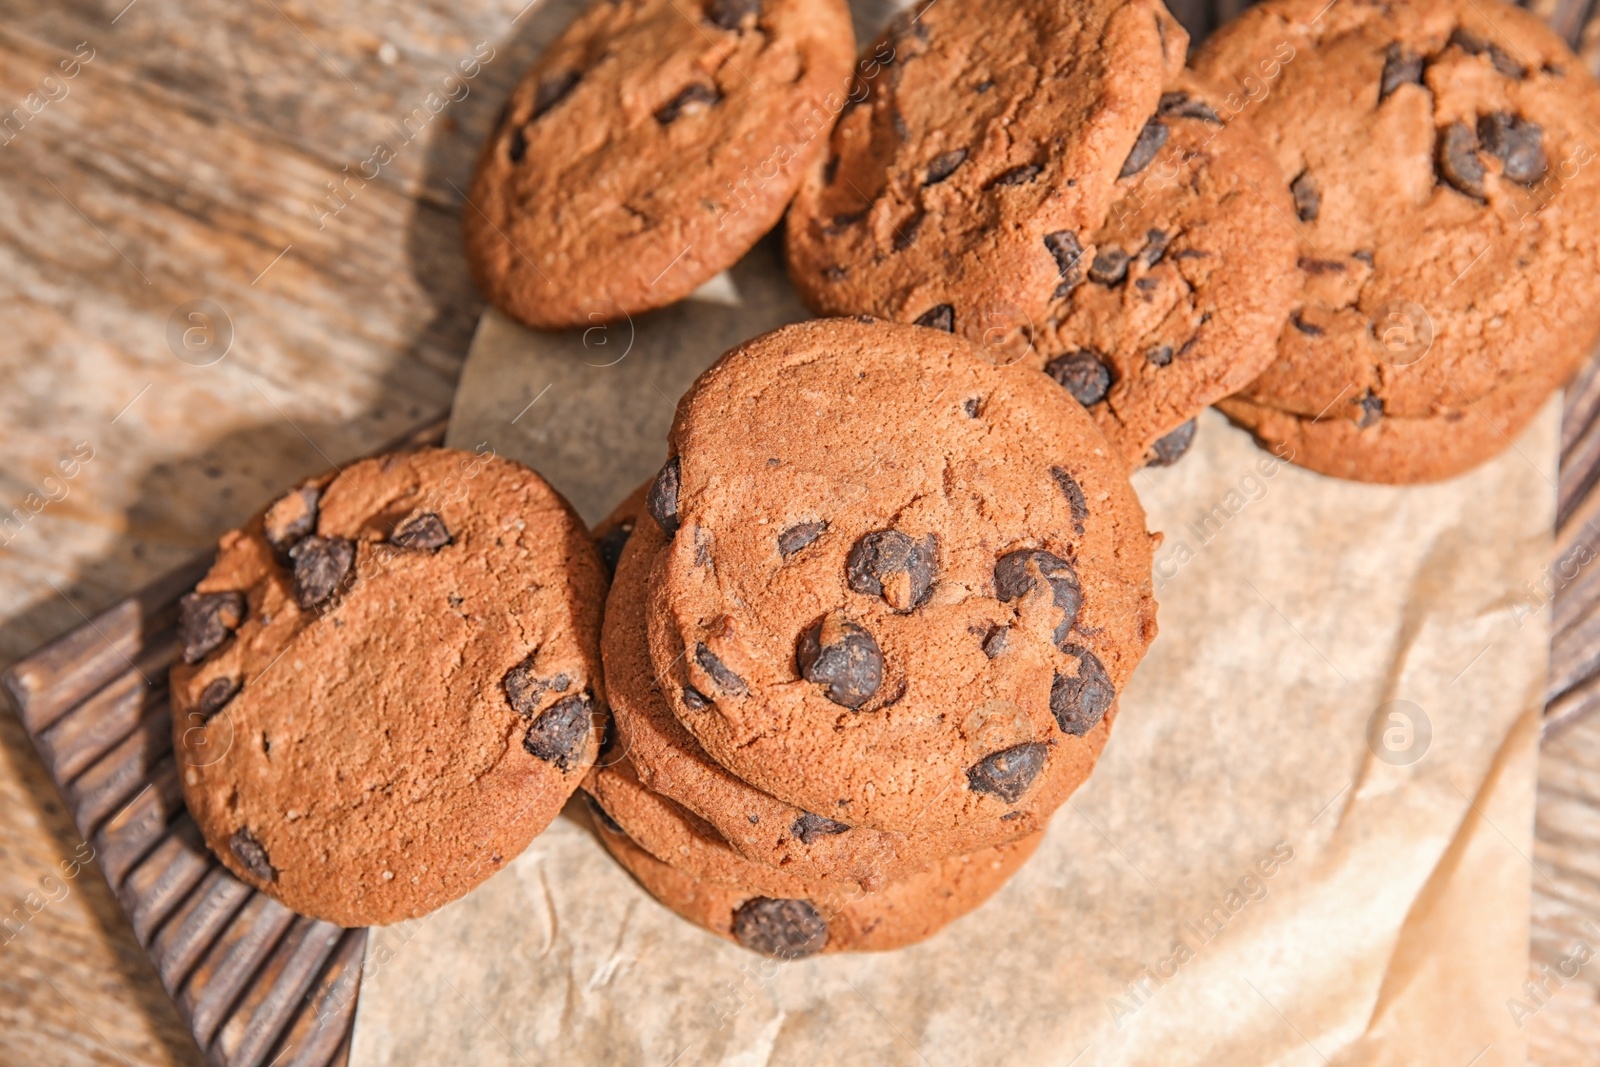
[(797, 537), (1517, 143), (898, 121), (944, 165), (1079, 702), (994, 642), (1474, 45), (601, 815), (517, 147), (662, 499), (970, 406), (1364, 255), (808, 827), (1082, 374), (1154, 248), (425, 533), (1184, 106), (835, 274), (1013, 579), (1307, 197), (524, 688), (1371, 410), (552, 91), (320, 567), (215, 696), (726, 680), (1399, 68), (1458, 160), (1307, 328), (781, 928), (730, 14), (1017, 175), (205, 620), (251, 855), (694, 700), (1064, 247), (1076, 501), (889, 564), (938, 317), (908, 232), (1146, 285), (1319, 266), (290, 518), (1008, 773), (840, 223), (984, 86), (611, 544), (842, 656), (1169, 449), (1110, 266), (1151, 140), (696, 97), (1159, 355), (559, 734)]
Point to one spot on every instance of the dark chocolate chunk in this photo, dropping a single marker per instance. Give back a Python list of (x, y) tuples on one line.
[(843, 657), (552, 91), (1064, 247), (1110, 266), (559, 734), (808, 827), (1399, 68), (1169, 449), (517, 147), (908, 232), (694, 700), (1371, 410), (1159, 355), (1017, 175), (730, 14), (251, 855), (1517, 143), (1307, 197), (984, 86), (889, 564), (944, 165), (994, 642), (662, 499), (1458, 160), (321, 565), (215, 696), (205, 620), (1307, 328), (1012, 579), (1184, 106), (1364, 255), (970, 406), (938, 317), (1151, 140), (290, 518), (1146, 285), (696, 97), (601, 815), (1080, 701), (782, 928), (1082, 374), (1319, 266), (726, 680), (1472, 44), (797, 537), (843, 222), (524, 688), (1076, 501), (1008, 773), (425, 533), (611, 544), (1155, 246)]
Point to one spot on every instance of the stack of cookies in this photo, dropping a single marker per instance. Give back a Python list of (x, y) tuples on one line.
[(866, 635)]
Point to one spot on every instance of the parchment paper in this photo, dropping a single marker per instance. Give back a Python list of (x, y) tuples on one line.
[(1251, 876)]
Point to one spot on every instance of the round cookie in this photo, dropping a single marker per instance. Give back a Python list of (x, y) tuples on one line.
[(759, 827), (650, 146), (910, 592), (391, 683), (1187, 283), (1449, 272), (985, 145), (903, 913)]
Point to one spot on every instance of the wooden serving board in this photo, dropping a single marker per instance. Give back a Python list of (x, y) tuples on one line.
[(257, 984)]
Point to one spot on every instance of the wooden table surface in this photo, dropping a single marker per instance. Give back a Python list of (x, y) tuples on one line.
[(162, 152)]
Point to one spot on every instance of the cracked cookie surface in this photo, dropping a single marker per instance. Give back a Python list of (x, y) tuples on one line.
[(1441, 160), (650, 146), (391, 683), (939, 644)]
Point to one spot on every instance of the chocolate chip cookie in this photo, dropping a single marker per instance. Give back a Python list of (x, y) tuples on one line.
[(649, 148), (1440, 159), (906, 596), (1185, 286), (390, 683), (902, 913), (984, 148)]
